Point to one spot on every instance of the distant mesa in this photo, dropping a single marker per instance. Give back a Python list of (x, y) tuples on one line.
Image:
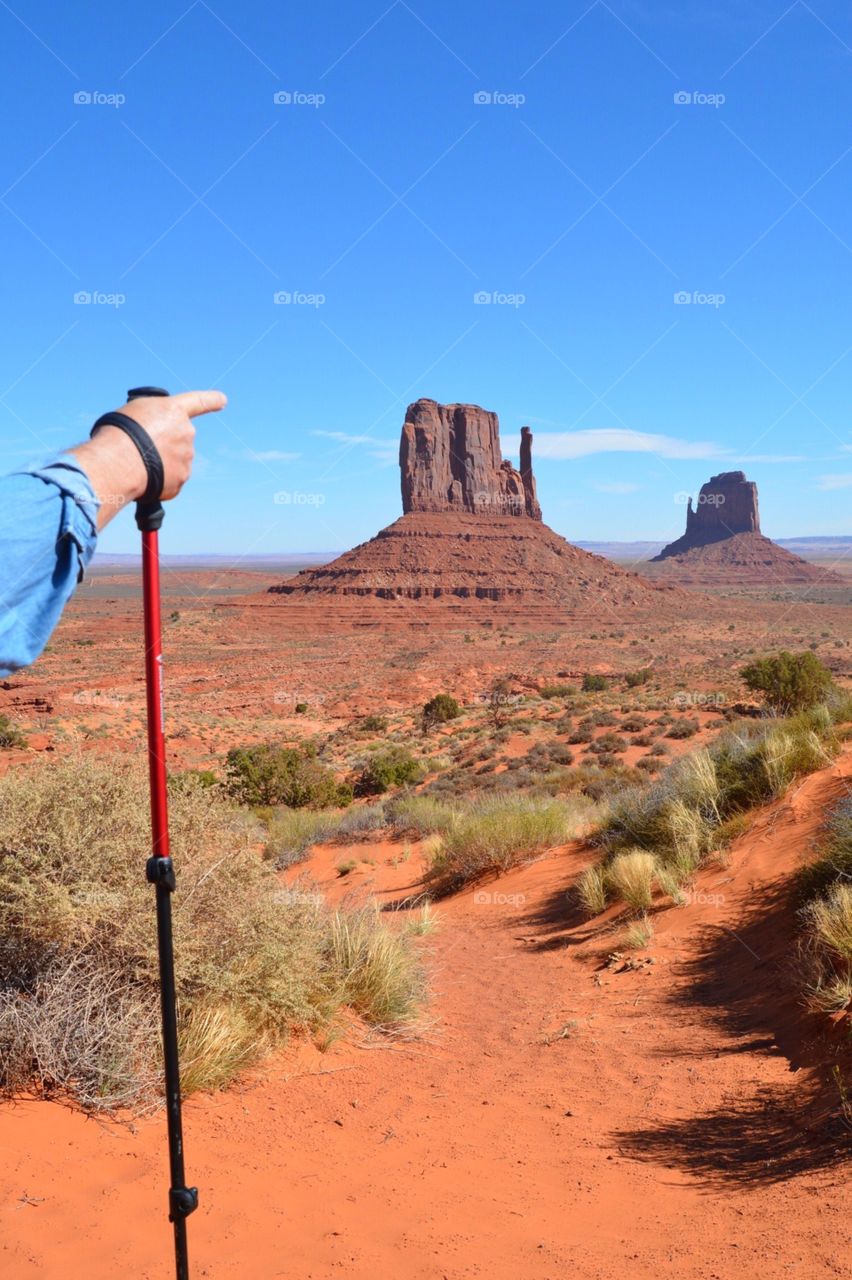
[(727, 505), (471, 529), (723, 544)]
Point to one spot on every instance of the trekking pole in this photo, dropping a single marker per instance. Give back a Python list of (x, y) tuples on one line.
[(183, 1200)]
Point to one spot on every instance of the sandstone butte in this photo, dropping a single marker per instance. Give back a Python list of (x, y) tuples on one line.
[(472, 530), (723, 544)]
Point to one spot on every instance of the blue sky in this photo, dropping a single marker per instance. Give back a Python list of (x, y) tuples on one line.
[(378, 193)]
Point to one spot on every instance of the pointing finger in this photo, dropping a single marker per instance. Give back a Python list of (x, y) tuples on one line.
[(194, 403)]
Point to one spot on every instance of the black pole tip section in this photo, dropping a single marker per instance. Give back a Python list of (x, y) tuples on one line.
[(161, 871), (149, 516), (182, 1202), (135, 393)]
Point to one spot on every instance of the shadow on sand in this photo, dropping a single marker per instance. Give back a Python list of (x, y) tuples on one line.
[(742, 977)]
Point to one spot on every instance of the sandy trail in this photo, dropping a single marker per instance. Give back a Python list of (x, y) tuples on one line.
[(562, 1117)]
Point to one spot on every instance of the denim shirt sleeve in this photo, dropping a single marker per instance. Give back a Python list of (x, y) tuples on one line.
[(48, 534)]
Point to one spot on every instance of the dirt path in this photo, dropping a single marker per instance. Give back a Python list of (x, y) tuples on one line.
[(562, 1118)]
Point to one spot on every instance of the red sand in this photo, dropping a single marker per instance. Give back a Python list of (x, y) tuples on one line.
[(561, 1118)]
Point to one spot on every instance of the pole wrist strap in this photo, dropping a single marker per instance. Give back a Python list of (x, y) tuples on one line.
[(148, 451)]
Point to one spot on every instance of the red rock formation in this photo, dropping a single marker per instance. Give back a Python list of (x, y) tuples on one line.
[(723, 545), (727, 506), (472, 530), (450, 460), (527, 477)]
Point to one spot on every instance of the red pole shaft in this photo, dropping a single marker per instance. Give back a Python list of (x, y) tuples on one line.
[(154, 691)]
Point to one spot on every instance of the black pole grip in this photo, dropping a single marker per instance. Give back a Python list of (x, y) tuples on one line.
[(149, 515)]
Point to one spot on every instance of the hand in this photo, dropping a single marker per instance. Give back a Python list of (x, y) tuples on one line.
[(168, 421), (114, 465)]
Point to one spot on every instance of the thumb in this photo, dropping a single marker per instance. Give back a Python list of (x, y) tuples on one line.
[(194, 403)]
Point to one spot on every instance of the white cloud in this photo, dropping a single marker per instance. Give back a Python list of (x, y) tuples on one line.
[(269, 455), (836, 481), (383, 450), (582, 444), (773, 457), (617, 486), (259, 455)]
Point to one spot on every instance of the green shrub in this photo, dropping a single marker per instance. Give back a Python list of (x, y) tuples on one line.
[(373, 724), (390, 767), (10, 735), (635, 678), (557, 690), (439, 710), (268, 775), (608, 744), (789, 681), (301, 708), (683, 728), (594, 683), (78, 942), (193, 778)]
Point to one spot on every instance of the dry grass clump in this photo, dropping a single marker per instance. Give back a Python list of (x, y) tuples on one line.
[(680, 816), (499, 832), (699, 802), (829, 921), (378, 977), (78, 959), (631, 878), (639, 934), (825, 948), (291, 833), (421, 815), (593, 890)]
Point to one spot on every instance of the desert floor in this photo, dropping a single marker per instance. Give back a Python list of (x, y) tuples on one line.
[(566, 1109)]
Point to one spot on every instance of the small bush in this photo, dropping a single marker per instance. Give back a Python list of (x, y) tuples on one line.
[(684, 728), (558, 690), (789, 682), (608, 744), (78, 943), (594, 683), (439, 710), (372, 724), (10, 735), (391, 767), (634, 679), (193, 778), (268, 775)]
